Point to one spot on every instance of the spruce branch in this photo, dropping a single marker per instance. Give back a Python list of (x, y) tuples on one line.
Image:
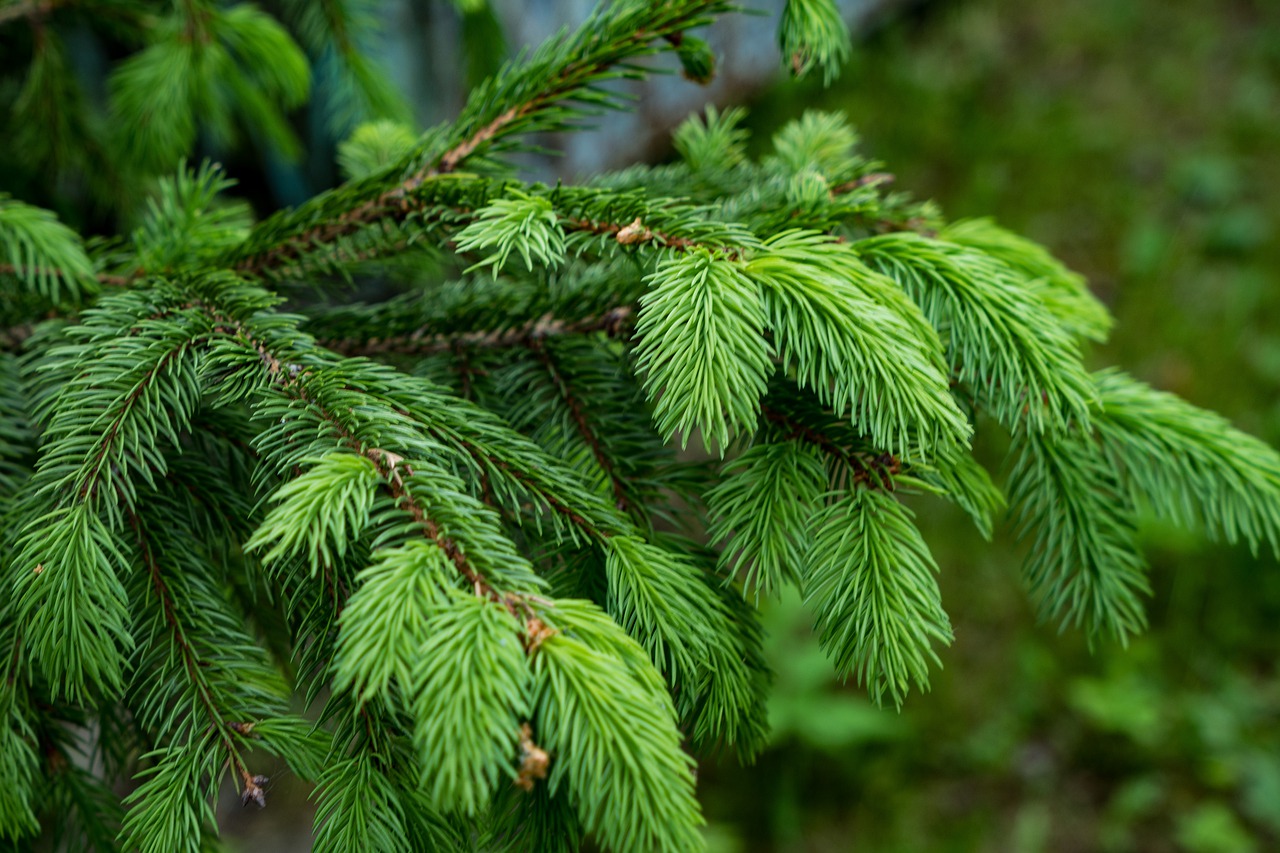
[(469, 727), (813, 33), (578, 519), (702, 349), (1003, 342), (870, 579), (858, 344), (863, 468), (590, 219), (171, 808), (533, 614), (222, 728), (1084, 565), (615, 323), (1062, 291), (648, 572), (513, 650), (390, 468), (295, 382), (1191, 466), (632, 786), (539, 95), (70, 603), (17, 436), (43, 254), (345, 30), (760, 514), (360, 805), (105, 457), (580, 421), (852, 461), (19, 761)]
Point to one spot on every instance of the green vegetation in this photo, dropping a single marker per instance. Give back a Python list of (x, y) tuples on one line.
[(1137, 141), (443, 554)]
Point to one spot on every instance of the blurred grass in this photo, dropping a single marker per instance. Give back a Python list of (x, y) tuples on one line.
[(1140, 141)]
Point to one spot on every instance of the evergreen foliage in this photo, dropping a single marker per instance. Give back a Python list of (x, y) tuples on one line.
[(438, 555)]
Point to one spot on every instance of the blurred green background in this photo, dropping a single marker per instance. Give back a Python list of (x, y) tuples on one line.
[(1140, 141)]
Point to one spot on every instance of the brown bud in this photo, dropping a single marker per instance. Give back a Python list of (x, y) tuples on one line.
[(253, 792), (535, 632), (634, 233), (534, 760)]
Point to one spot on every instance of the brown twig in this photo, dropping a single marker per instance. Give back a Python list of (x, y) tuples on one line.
[(398, 202), (874, 179), (195, 667), (389, 465), (872, 472), (578, 412), (635, 232), (613, 322)]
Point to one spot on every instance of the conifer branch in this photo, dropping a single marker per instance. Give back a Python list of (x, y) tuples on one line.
[(568, 71), (870, 578), (90, 480), (392, 469), (589, 527), (194, 667), (1084, 565), (456, 201), (578, 414), (614, 323), (794, 429), (287, 375), (386, 464), (832, 338), (874, 472), (636, 232)]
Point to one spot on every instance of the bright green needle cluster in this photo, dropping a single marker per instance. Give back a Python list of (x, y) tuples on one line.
[(439, 555)]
